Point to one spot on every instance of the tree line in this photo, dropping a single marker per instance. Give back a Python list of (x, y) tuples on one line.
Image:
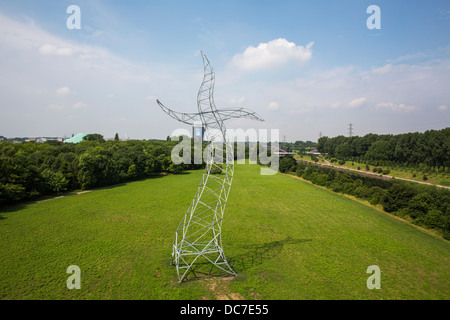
[(29, 170), (430, 148), (423, 205)]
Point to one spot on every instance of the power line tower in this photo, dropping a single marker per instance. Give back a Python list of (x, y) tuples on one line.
[(198, 239), (350, 130)]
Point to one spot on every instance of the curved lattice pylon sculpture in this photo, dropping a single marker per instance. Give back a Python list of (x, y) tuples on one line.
[(198, 238)]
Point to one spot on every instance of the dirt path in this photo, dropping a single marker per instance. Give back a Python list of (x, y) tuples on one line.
[(220, 289), (63, 195)]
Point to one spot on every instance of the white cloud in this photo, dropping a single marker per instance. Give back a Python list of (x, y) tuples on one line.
[(356, 103), (332, 97), (79, 105), (33, 60), (272, 54), (273, 106), (382, 70), (396, 107), (58, 50), (63, 91)]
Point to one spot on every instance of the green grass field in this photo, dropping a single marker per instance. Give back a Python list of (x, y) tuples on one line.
[(286, 238)]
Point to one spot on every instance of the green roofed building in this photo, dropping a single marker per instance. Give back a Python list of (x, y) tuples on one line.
[(76, 138)]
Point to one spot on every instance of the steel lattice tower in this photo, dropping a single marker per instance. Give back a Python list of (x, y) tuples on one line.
[(199, 235)]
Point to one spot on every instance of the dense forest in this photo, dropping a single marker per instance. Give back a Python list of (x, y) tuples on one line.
[(424, 205), (29, 170), (429, 149)]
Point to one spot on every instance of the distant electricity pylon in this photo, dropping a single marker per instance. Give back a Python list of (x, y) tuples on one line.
[(350, 130), (199, 235)]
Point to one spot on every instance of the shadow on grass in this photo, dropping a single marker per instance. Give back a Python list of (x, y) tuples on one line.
[(182, 173), (258, 254), (10, 208), (254, 255), (20, 205)]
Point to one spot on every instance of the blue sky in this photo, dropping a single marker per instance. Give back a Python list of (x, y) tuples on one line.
[(307, 67)]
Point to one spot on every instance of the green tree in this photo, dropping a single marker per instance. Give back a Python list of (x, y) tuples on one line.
[(132, 171), (433, 219), (377, 196), (287, 164), (96, 168), (419, 205), (300, 169), (11, 192), (343, 151), (94, 137), (58, 182), (379, 150), (116, 137), (398, 197)]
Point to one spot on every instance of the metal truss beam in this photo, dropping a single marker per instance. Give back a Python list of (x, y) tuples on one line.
[(199, 234)]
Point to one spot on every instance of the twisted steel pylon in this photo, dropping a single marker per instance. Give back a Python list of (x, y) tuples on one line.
[(199, 235)]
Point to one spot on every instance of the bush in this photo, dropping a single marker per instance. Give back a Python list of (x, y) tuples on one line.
[(363, 192), (55, 180), (433, 219), (308, 174), (398, 197), (287, 164), (377, 195), (446, 235), (300, 169), (419, 205), (11, 192), (314, 158), (320, 179)]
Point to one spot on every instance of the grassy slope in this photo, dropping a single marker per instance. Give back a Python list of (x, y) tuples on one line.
[(286, 238)]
